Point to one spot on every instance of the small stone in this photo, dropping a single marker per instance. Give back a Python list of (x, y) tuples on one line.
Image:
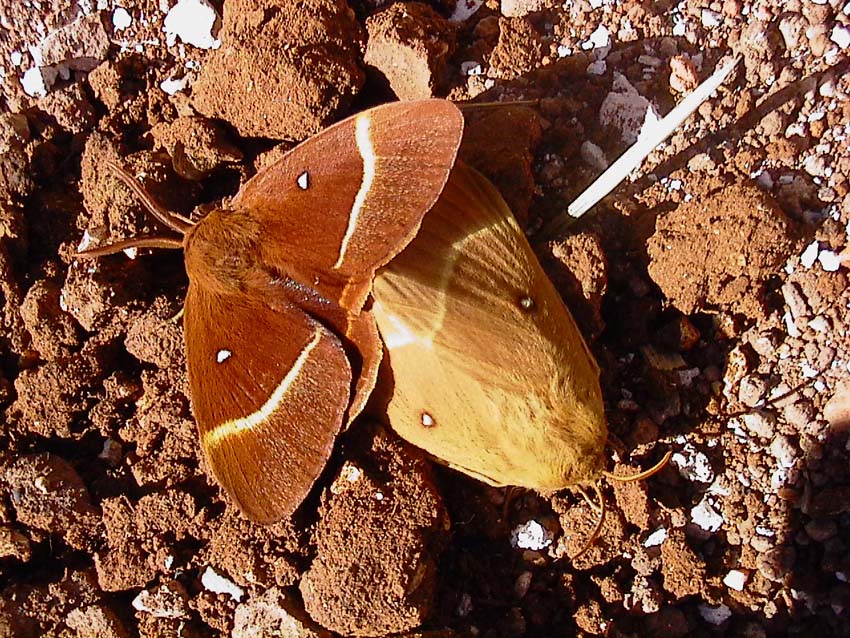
[(594, 156), (656, 538), (795, 300), (799, 414), (715, 615), (704, 516), (783, 451), (121, 19), (169, 600), (808, 258), (273, 614), (793, 30), (531, 535), (693, 465), (821, 529), (776, 564), (218, 584), (752, 390), (735, 579), (841, 35), (760, 423), (193, 21)]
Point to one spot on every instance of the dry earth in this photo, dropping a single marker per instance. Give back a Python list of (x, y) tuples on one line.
[(711, 285)]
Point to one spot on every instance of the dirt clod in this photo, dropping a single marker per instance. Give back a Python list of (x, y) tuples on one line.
[(718, 252), (259, 82), (377, 544), (410, 44)]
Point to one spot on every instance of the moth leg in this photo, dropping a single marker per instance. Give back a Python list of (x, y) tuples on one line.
[(599, 524)]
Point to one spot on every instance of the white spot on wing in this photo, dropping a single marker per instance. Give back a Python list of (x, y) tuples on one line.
[(235, 426), (222, 356), (304, 181), (367, 152)]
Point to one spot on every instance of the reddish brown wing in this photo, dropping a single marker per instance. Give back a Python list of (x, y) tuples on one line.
[(346, 201), (269, 388)]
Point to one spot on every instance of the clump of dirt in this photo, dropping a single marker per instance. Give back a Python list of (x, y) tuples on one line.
[(410, 44), (382, 528), (505, 159), (284, 70), (717, 252)]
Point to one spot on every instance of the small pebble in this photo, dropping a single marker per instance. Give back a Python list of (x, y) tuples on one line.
[(735, 579), (218, 584), (704, 516), (531, 535), (715, 615)]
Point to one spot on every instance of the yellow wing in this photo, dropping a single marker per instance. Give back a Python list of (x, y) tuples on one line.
[(489, 371)]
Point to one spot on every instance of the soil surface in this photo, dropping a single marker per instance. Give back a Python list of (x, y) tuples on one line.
[(712, 285)]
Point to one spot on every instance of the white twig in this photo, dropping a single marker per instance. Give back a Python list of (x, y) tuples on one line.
[(638, 152)]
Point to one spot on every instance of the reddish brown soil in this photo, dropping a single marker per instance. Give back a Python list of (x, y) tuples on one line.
[(709, 284)]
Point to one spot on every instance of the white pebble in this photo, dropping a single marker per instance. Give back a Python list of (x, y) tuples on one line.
[(810, 255), (829, 261), (531, 535), (819, 324), (218, 584), (790, 326), (656, 538), (704, 515), (121, 19), (33, 83), (840, 35), (693, 465), (807, 370), (710, 18), (173, 85), (735, 580), (192, 21)]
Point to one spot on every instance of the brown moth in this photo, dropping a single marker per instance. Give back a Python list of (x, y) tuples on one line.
[(489, 371), (280, 349)]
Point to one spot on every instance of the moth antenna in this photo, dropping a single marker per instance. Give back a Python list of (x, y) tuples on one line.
[(641, 475), (467, 106), (174, 221), (169, 243), (598, 529)]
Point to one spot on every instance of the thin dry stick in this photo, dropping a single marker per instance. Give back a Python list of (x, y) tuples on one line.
[(634, 156)]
